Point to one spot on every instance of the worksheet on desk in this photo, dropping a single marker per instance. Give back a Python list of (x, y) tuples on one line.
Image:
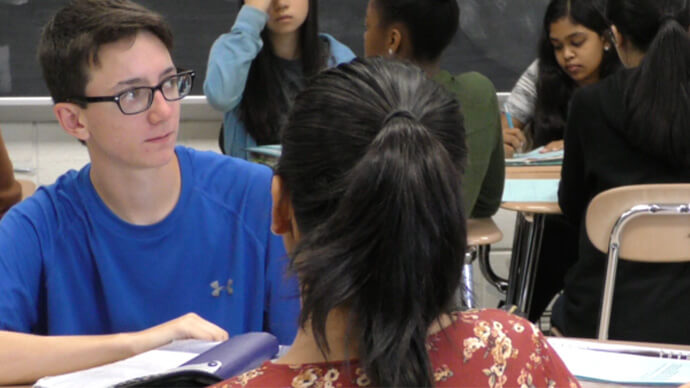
[(147, 363), (530, 190), (589, 360)]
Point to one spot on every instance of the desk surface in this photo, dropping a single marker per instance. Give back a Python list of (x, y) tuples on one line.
[(584, 383), (533, 207), (593, 384), (533, 172)]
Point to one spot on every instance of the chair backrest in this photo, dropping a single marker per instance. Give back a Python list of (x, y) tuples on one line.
[(640, 223), (651, 236)]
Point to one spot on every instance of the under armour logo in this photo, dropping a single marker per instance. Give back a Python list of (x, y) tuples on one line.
[(217, 288)]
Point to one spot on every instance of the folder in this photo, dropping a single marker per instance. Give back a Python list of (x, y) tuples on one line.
[(204, 363)]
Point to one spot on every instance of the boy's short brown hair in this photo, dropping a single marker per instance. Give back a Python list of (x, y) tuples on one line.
[(71, 39)]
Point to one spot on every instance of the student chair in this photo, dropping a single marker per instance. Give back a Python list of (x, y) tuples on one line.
[(649, 223), (481, 233)]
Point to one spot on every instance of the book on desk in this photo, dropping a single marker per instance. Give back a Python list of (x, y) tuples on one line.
[(189, 363)]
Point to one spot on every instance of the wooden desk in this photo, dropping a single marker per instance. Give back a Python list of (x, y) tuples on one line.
[(529, 229)]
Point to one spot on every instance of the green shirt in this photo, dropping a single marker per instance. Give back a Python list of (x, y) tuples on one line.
[(485, 170)]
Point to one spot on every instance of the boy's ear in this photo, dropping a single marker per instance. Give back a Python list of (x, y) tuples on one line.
[(71, 119), (282, 214)]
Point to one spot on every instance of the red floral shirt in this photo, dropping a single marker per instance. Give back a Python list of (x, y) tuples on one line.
[(487, 348)]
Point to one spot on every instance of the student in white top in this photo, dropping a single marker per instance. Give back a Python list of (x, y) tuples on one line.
[(573, 52)]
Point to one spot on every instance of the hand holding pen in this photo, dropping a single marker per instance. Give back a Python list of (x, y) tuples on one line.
[(513, 138)]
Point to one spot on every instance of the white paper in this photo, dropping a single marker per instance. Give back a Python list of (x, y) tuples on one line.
[(536, 157), (147, 363), (604, 362)]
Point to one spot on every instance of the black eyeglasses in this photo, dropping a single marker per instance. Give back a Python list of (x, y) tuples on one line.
[(139, 99)]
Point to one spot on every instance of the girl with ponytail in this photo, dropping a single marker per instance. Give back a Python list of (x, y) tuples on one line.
[(419, 31), (367, 199), (632, 128)]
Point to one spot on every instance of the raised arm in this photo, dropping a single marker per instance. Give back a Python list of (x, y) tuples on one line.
[(24, 358), (232, 54)]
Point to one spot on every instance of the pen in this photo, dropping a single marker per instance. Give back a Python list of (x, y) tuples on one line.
[(509, 117)]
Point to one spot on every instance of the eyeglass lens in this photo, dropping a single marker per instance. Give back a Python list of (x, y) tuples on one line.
[(137, 100)]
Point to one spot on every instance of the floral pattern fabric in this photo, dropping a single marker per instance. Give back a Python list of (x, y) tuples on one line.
[(487, 348)]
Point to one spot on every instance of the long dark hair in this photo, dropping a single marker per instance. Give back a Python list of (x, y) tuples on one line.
[(656, 99), (554, 86), (432, 23), (262, 102), (372, 158)]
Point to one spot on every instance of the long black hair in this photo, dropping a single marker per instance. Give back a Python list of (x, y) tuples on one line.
[(372, 159), (656, 100), (432, 23), (262, 102), (554, 86)]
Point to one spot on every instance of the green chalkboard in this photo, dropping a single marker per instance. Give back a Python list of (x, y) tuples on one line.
[(497, 37)]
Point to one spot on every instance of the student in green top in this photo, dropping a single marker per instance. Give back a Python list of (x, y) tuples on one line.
[(419, 31)]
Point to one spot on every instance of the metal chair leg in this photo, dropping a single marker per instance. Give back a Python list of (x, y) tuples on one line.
[(467, 279), (498, 282)]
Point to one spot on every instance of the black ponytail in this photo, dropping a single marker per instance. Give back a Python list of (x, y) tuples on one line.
[(372, 159), (656, 100)]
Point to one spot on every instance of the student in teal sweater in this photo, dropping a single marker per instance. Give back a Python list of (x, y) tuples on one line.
[(419, 31)]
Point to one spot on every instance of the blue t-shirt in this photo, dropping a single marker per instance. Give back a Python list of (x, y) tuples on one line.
[(68, 265)]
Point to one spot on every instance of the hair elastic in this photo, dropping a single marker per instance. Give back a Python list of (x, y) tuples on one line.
[(667, 17), (398, 113)]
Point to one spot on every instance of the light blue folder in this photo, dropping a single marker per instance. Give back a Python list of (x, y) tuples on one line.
[(530, 190)]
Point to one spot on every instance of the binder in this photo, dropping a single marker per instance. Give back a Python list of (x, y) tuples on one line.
[(204, 364)]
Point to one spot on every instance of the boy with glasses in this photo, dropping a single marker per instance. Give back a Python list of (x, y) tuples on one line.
[(149, 239)]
